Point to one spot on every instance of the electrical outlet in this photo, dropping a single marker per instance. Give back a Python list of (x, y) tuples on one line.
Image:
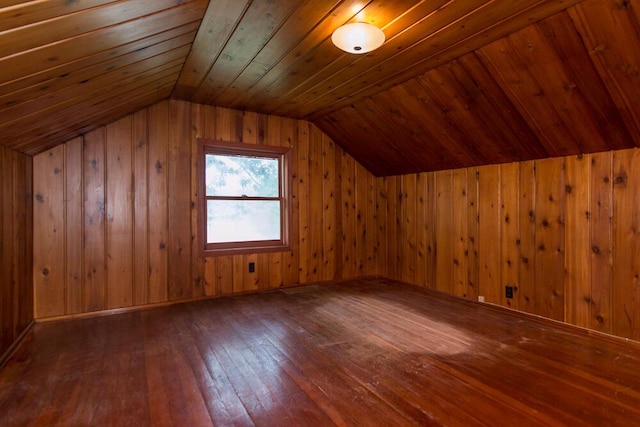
[(480, 298), (508, 291), (252, 267)]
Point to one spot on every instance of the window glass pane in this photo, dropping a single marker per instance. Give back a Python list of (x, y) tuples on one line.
[(242, 220), (228, 175)]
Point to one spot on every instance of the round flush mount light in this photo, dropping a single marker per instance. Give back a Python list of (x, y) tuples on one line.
[(358, 37)]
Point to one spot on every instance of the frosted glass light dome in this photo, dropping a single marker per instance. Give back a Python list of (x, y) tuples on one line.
[(358, 37)]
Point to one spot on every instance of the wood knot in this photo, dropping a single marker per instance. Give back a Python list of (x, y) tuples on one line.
[(45, 271), (525, 260), (599, 319), (622, 179), (39, 198), (545, 223), (568, 189), (595, 249)]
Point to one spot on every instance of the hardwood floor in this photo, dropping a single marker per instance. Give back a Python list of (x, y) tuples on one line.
[(365, 353)]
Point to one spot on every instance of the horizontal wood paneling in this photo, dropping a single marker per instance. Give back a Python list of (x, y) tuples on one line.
[(117, 221), (562, 231), (16, 246)]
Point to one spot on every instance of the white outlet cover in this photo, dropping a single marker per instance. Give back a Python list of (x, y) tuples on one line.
[(480, 298)]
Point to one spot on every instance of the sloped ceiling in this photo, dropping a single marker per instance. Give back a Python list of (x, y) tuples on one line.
[(458, 83)]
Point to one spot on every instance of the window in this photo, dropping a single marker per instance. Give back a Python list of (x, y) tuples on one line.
[(245, 202)]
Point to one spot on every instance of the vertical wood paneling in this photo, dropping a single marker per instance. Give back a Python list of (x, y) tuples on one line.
[(601, 244), (137, 235), (460, 233), (329, 209), (316, 174), (527, 222), (444, 231), (577, 240), (49, 225), (291, 259), (304, 237), (141, 211), (431, 227), (360, 178), (180, 284), (274, 260), (370, 243), (95, 297), (409, 224), (509, 239), (16, 246), (550, 228), (422, 251), (472, 237), (197, 260), (157, 190), (393, 238), (73, 204), (119, 214), (626, 244), (349, 220), (489, 233)]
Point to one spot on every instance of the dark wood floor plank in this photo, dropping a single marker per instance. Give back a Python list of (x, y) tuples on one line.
[(369, 352)]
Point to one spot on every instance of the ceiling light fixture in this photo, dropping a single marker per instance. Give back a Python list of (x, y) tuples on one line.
[(358, 37)]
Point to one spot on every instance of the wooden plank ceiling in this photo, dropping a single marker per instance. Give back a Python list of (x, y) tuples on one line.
[(458, 83)]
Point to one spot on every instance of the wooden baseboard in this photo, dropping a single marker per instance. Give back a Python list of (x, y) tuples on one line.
[(113, 311), (16, 344)]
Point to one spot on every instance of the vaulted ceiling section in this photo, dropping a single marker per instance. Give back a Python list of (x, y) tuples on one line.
[(457, 83)]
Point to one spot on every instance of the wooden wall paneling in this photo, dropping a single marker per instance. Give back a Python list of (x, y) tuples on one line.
[(197, 260), (550, 231), (255, 280), (349, 217), (577, 279), (180, 284), (509, 237), (330, 187), (409, 224), (393, 239), (119, 213), (473, 266), (527, 222), (49, 231), (601, 244), (382, 224), (444, 231), (431, 228), (460, 218), (274, 259), (229, 270), (489, 233), (140, 208), (371, 242), (213, 273), (360, 179), (94, 172), (626, 244), (6, 249), (74, 224), (16, 247), (303, 201), (230, 124), (316, 226), (421, 229), (158, 123), (291, 259), (264, 274)]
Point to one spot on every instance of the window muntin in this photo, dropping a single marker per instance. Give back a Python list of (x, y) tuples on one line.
[(245, 207)]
